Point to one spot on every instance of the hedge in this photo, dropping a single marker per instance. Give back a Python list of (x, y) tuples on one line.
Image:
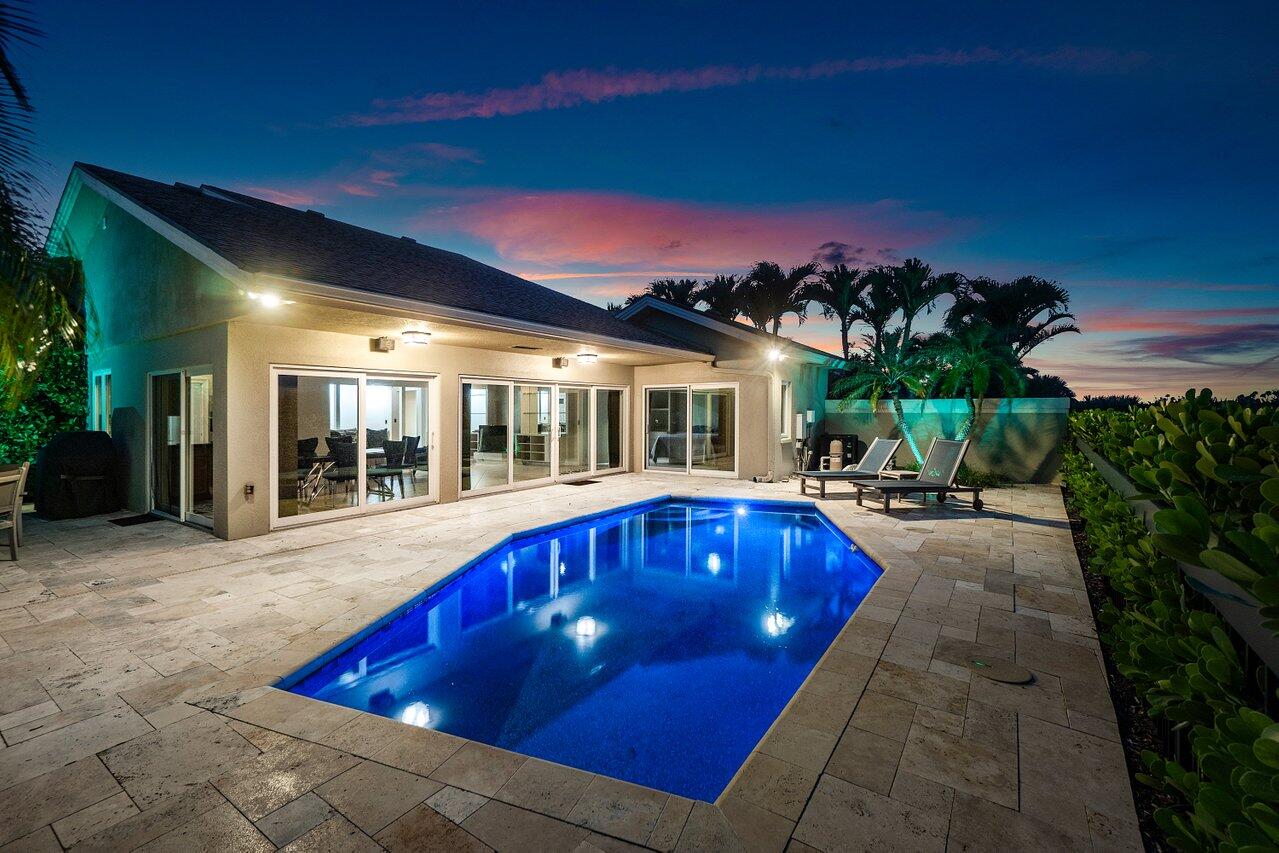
[(58, 403), (1212, 466)]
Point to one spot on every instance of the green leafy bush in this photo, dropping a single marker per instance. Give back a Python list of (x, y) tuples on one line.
[(1213, 466), (58, 402), (1185, 669)]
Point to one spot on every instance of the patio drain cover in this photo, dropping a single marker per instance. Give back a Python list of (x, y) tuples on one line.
[(1001, 670)]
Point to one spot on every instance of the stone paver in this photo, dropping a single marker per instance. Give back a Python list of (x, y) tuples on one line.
[(138, 710)]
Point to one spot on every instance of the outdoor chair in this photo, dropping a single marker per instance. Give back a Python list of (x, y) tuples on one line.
[(871, 467), (936, 476), (13, 482)]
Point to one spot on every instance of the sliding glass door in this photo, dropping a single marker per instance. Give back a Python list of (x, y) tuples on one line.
[(691, 429), (516, 433), (347, 442), (608, 430), (180, 438), (575, 431)]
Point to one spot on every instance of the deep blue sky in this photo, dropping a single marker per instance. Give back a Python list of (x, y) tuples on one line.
[(1128, 152)]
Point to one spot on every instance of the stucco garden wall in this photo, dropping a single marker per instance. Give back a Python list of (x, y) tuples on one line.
[(1018, 438)]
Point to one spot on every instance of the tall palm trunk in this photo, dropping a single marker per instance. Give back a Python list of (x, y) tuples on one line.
[(899, 420)]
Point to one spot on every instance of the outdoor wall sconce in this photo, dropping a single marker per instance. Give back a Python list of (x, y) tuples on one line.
[(587, 358), (268, 300), (416, 336), (775, 354)]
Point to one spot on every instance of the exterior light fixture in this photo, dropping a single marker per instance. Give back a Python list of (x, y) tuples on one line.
[(268, 300), (416, 336), (587, 358), (713, 563), (586, 626), (775, 354)]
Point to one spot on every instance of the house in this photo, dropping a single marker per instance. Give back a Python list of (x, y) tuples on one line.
[(260, 366)]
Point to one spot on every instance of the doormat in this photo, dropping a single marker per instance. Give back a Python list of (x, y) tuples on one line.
[(581, 482), (130, 520)]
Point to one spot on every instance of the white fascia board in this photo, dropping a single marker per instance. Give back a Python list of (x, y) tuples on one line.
[(462, 315)]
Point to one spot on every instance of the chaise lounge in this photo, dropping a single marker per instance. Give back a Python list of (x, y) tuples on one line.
[(871, 467), (936, 476)]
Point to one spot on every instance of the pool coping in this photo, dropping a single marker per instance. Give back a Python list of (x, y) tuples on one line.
[(762, 799)]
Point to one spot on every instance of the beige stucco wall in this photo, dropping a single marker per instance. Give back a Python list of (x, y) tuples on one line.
[(254, 348), (1018, 438)]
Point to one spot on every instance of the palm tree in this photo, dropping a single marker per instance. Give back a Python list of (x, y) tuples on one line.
[(917, 290), (888, 371), (682, 293), (41, 296), (877, 304), (770, 294), (721, 296), (968, 362), (837, 291), (1013, 309), (16, 180)]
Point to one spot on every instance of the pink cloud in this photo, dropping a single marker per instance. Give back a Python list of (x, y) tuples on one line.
[(562, 229), (1184, 321), (290, 197), (564, 89)]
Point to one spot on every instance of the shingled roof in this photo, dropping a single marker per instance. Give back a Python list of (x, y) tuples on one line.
[(258, 236)]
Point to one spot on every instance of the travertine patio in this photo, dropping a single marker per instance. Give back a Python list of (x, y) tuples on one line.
[(136, 708)]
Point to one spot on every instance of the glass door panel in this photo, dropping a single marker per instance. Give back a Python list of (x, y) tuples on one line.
[(397, 439), (574, 431), (200, 448), (317, 444), (166, 443), (666, 429), (486, 441), (532, 432), (608, 429), (714, 435)]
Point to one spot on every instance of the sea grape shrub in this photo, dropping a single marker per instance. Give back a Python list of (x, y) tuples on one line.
[(1215, 468)]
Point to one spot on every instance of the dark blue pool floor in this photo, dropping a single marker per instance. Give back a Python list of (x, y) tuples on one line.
[(655, 645)]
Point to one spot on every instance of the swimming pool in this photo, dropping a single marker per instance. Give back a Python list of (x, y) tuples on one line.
[(654, 644)]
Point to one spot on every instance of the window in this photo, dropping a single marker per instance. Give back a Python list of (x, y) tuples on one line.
[(691, 428), (344, 407), (787, 407), (100, 402)]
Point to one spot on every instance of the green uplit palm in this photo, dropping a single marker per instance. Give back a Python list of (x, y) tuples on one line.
[(721, 296), (838, 291), (968, 362), (893, 371), (41, 297), (769, 294), (1024, 312)]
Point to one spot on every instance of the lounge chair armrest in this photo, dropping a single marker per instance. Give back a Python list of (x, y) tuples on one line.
[(898, 474)]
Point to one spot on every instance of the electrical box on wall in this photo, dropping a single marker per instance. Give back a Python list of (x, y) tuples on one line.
[(384, 344), (559, 363)]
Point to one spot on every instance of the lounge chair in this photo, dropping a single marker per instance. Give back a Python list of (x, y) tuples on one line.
[(871, 467), (936, 476)]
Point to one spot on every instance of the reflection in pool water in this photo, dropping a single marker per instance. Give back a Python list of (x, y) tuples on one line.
[(656, 644)]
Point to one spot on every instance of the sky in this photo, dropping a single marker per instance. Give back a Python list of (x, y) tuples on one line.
[(1128, 151)]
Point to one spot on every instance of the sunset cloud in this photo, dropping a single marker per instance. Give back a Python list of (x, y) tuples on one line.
[(562, 229), (558, 90)]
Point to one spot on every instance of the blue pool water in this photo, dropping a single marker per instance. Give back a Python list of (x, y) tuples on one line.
[(655, 644)]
